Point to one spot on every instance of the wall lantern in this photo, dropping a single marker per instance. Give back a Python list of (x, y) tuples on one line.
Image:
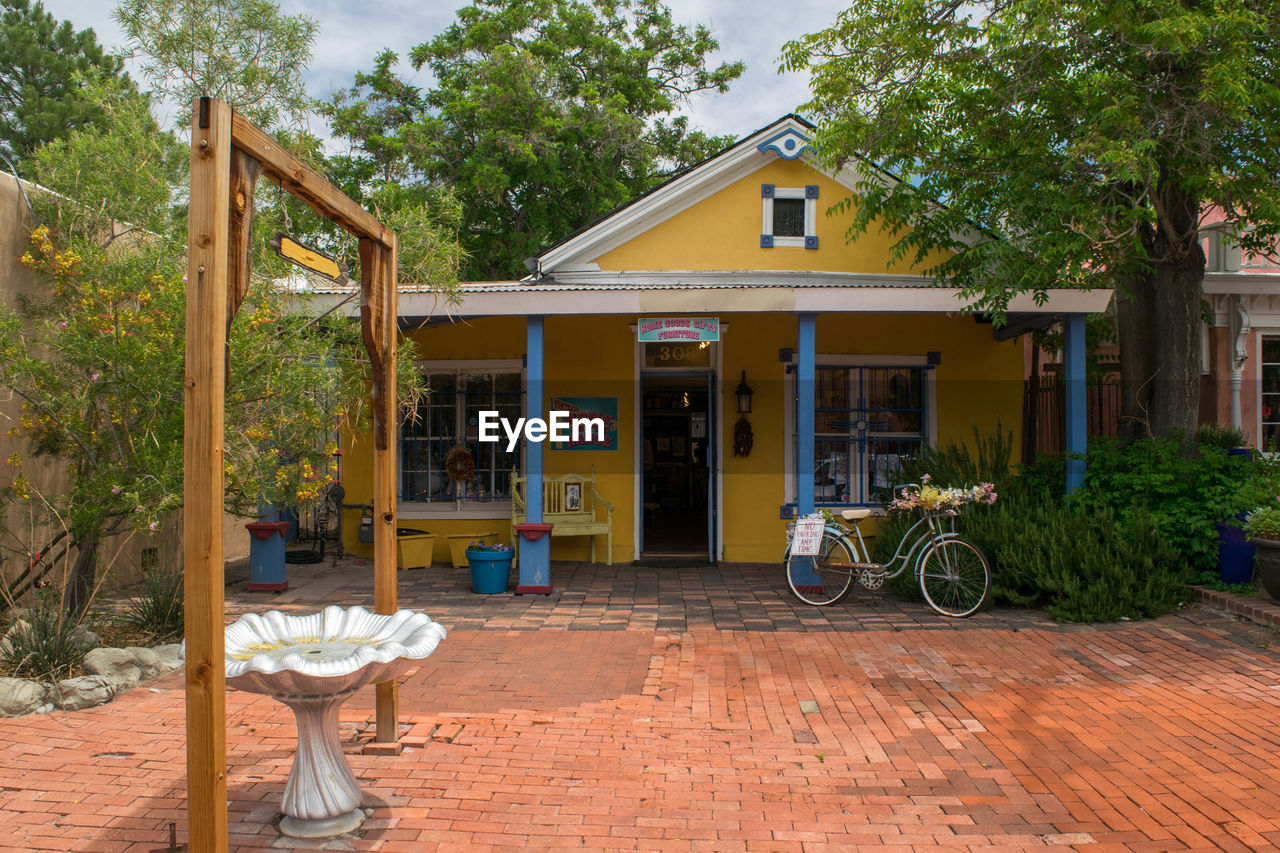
[(744, 393)]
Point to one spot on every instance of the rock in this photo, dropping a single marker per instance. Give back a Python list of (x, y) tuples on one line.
[(147, 662), (72, 694), (116, 665), (170, 656), (19, 696), (87, 638)]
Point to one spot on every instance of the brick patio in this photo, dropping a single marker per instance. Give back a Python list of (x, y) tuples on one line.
[(704, 709)]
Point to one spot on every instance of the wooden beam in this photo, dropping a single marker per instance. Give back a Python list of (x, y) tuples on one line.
[(245, 172), (373, 308), (203, 397), (1020, 324), (306, 183), (386, 706)]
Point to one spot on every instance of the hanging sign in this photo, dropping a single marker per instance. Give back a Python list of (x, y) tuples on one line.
[(806, 536), (306, 257), (655, 329)]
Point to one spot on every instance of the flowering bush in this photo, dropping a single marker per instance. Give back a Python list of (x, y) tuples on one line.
[(932, 499)]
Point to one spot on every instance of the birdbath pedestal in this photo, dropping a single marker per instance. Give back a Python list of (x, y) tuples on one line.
[(313, 664)]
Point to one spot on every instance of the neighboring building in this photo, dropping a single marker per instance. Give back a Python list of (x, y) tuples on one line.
[(853, 363), (1241, 350)]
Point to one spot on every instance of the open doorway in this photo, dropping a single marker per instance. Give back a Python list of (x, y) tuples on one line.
[(678, 517)]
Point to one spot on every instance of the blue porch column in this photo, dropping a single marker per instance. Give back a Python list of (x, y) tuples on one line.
[(535, 554), (806, 344), (1075, 428)]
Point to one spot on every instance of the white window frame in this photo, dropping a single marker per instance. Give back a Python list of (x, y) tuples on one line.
[(810, 216), (460, 509)]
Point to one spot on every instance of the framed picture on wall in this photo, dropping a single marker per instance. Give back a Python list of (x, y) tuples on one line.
[(572, 497)]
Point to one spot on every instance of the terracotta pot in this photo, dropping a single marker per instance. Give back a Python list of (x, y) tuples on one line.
[(1269, 566)]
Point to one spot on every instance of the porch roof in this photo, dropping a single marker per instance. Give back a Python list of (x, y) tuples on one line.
[(732, 291)]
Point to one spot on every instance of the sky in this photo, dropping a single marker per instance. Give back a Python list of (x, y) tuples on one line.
[(351, 35)]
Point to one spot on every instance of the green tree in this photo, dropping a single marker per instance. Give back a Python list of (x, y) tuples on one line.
[(543, 116), (42, 65), (1073, 144), (97, 359), (244, 52)]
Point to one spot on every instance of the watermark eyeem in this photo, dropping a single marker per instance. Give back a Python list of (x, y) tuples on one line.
[(560, 426)]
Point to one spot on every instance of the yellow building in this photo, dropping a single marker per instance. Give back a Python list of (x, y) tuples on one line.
[(658, 319)]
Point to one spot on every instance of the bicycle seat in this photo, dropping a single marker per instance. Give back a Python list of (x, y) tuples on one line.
[(854, 514)]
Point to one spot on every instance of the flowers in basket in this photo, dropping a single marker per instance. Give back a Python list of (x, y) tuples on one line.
[(931, 498), (479, 545)]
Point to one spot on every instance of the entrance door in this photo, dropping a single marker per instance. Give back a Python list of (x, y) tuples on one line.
[(677, 485)]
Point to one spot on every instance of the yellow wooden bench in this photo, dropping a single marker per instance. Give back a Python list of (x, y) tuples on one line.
[(571, 504)]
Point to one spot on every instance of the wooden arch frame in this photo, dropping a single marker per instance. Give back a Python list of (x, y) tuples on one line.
[(228, 155)]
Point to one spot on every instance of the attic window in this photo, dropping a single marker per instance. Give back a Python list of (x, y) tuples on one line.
[(789, 216)]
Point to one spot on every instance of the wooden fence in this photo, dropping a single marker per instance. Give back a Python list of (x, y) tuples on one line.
[(1043, 407)]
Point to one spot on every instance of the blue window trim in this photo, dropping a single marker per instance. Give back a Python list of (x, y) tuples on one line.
[(864, 457)]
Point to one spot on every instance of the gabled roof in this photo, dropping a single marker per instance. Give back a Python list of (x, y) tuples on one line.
[(786, 138)]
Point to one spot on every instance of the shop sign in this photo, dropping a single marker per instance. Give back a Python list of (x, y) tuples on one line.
[(657, 329), (589, 409)]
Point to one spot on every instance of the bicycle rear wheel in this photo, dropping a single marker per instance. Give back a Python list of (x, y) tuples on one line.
[(954, 577), (814, 580)]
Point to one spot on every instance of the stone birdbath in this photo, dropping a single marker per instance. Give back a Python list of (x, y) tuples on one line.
[(313, 664)]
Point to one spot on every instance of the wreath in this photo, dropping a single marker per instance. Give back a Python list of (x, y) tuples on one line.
[(459, 464)]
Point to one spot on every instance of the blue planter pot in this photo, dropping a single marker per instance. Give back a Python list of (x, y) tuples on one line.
[(490, 570), (1235, 554)]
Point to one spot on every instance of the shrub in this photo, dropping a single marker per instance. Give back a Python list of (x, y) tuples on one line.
[(158, 608), (1219, 436), (1183, 493), (47, 644), (987, 460), (1263, 523), (1081, 562)]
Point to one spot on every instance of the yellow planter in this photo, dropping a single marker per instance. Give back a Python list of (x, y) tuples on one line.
[(458, 543), (414, 552)]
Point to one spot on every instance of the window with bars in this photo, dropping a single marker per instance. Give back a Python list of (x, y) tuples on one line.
[(448, 417), (1269, 405), (866, 421)]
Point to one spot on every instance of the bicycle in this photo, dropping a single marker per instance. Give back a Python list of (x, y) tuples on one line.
[(953, 573)]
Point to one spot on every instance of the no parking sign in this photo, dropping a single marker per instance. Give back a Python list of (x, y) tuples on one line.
[(806, 538)]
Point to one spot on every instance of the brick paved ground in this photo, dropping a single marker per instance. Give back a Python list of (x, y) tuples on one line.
[(702, 709)]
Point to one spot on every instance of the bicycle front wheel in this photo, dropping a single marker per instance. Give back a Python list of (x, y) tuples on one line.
[(954, 577), (815, 580)]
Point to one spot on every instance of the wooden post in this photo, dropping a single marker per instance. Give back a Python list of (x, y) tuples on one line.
[(386, 698), (379, 328), (207, 256)]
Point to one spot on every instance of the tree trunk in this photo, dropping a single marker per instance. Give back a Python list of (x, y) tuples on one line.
[(1159, 322), (1176, 402), (1136, 356), (84, 571)]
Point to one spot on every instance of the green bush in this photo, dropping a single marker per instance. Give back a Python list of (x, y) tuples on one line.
[(1263, 523), (1221, 437), (158, 608), (987, 460), (47, 644), (1183, 490), (1082, 561)]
